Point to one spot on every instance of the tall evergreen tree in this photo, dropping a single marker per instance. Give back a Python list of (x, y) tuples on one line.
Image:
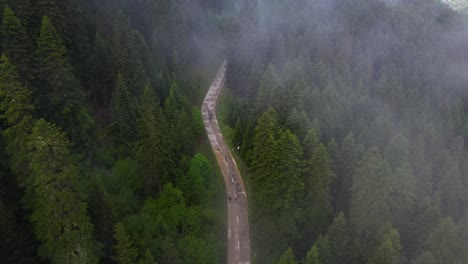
[(371, 191), (323, 249), (124, 249), (17, 110), (287, 257), (317, 178), (347, 158), (339, 240), (277, 185), (153, 153), (443, 242), (16, 43), (312, 256), (123, 111), (389, 251), (60, 97), (59, 213)]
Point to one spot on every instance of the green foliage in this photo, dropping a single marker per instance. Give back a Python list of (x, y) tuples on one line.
[(17, 110), (153, 155), (198, 127), (443, 242), (339, 240), (323, 249), (60, 97), (276, 182), (126, 171), (317, 177), (16, 43), (123, 111), (312, 256), (15, 244), (287, 257), (59, 213), (371, 193), (197, 183), (125, 253), (389, 251), (425, 258)]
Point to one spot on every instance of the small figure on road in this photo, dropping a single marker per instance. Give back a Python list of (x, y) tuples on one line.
[(229, 198)]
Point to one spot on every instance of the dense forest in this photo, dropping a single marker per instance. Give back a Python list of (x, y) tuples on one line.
[(352, 119), (100, 159)]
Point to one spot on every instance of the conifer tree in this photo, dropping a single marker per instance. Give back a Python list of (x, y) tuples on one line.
[(347, 158), (276, 182), (16, 44), (317, 178), (125, 253), (123, 111), (59, 214), (312, 256), (389, 251), (425, 258), (60, 96), (339, 240), (264, 97), (148, 258), (287, 257), (443, 242), (371, 200), (152, 154), (17, 110), (323, 249)]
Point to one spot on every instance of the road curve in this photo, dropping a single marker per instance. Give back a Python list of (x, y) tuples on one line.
[(238, 225)]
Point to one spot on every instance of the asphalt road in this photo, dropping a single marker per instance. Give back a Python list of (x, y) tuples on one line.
[(238, 225)]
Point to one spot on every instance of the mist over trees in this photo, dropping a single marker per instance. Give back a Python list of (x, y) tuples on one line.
[(364, 105), (351, 117)]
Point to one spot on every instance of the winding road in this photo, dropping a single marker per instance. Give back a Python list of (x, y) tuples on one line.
[(238, 225)]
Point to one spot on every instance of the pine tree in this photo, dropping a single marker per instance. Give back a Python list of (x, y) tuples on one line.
[(23, 9), (443, 242), (448, 184), (148, 258), (339, 240), (126, 59), (59, 214), (317, 178), (275, 173), (372, 186), (16, 44), (425, 258), (17, 110), (323, 249), (264, 96), (123, 111), (312, 256), (60, 97), (152, 154), (125, 253), (287, 257), (347, 158), (389, 251)]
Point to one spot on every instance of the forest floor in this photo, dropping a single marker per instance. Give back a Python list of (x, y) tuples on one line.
[(238, 225)]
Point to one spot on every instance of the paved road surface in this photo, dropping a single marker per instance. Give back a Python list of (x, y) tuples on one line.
[(238, 225)]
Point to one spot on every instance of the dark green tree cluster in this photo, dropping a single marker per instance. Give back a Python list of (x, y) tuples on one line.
[(98, 136)]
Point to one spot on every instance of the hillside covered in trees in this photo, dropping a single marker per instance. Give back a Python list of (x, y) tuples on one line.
[(352, 119)]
